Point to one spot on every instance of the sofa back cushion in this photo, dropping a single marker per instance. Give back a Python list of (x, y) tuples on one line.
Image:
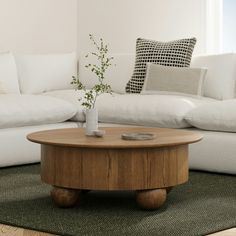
[(8, 74), (221, 75), (117, 75), (219, 80), (45, 72)]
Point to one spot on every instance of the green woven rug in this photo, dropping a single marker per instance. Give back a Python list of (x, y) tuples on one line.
[(206, 204)]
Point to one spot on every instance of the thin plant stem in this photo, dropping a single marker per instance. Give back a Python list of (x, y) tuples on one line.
[(91, 95)]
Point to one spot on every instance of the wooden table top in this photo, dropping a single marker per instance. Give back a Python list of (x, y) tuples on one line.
[(75, 137)]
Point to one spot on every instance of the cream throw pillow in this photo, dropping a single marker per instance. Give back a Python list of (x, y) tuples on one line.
[(182, 80), (173, 53)]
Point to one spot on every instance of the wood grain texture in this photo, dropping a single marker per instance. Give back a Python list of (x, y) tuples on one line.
[(114, 169), (75, 137)]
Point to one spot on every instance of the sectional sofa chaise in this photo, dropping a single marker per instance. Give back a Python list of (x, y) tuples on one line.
[(35, 94)]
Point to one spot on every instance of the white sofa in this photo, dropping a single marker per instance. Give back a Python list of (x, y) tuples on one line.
[(35, 94)]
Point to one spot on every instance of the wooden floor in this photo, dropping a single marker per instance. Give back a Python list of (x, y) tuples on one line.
[(229, 232), (6, 230)]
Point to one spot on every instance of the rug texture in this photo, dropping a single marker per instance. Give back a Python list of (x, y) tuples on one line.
[(206, 204)]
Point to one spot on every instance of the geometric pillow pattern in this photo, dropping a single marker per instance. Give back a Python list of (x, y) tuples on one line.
[(176, 53)]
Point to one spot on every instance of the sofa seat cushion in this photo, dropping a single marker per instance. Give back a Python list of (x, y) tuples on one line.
[(147, 110), (219, 116), (72, 97), (29, 110)]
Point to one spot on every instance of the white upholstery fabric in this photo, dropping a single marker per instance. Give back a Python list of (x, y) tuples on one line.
[(8, 74), (221, 74), (71, 96), (149, 110), (117, 75), (45, 72), (29, 110), (183, 80), (16, 149), (220, 116), (216, 152)]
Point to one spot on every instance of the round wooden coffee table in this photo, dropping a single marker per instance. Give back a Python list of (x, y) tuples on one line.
[(73, 163)]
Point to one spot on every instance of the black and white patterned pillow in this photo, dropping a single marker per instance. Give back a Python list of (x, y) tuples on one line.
[(174, 53)]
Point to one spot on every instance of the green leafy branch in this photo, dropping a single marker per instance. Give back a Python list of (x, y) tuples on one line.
[(99, 70)]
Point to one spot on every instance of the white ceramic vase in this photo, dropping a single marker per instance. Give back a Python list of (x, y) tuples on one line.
[(91, 121)]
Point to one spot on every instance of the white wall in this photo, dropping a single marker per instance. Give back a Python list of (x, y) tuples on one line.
[(60, 26), (38, 26), (120, 22)]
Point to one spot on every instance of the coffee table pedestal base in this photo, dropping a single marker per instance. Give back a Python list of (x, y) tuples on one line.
[(146, 199), (151, 172)]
